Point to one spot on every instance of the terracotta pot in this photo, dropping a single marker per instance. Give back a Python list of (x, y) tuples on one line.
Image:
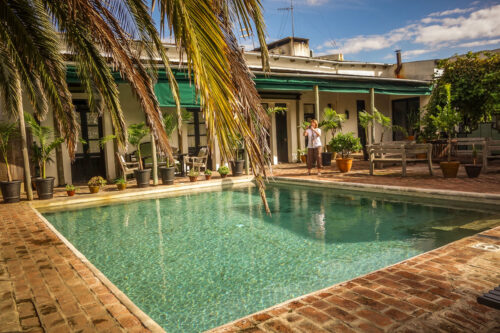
[(94, 189), (11, 191), (207, 177), (344, 164), (121, 187), (303, 158), (193, 178), (223, 175), (421, 156), (473, 170), (410, 137), (70, 193), (450, 169)]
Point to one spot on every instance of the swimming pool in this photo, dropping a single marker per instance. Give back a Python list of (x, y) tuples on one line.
[(193, 262)]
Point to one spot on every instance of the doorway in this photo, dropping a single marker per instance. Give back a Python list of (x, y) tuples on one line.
[(89, 156), (281, 134), (403, 113)]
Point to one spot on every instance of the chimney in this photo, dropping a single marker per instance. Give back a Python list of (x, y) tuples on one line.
[(399, 64)]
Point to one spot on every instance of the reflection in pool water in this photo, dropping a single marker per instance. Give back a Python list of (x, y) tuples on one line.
[(194, 262)]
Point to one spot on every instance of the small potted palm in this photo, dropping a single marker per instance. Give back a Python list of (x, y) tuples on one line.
[(136, 133), (44, 149), (70, 190), (473, 170), (345, 144), (446, 121), (208, 174), (121, 184), (193, 175), (95, 184), (11, 189), (238, 163), (223, 171), (332, 121)]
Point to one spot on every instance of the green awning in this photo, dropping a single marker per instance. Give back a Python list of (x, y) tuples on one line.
[(282, 83), (186, 91)]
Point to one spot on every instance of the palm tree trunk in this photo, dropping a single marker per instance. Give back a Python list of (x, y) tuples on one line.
[(24, 149)]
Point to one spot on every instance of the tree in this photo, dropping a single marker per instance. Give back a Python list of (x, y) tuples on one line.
[(7, 131), (332, 121), (136, 133), (101, 33), (475, 78)]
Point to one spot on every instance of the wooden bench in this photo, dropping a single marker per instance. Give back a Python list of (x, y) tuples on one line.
[(491, 152), (400, 153), (465, 146)]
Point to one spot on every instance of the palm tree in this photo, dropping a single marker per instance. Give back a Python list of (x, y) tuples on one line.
[(100, 33)]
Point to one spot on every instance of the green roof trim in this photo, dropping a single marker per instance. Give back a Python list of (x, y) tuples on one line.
[(275, 83)]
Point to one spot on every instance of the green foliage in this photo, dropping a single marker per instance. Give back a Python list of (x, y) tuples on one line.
[(136, 133), (475, 79), (193, 173), (171, 120), (345, 144), (447, 118), (208, 172), (332, 121), (44, 148), (366, 121), (97, 181), (304, 125), (120, 180), (276, 109), (70, 187), (223, 170), (7, 131)]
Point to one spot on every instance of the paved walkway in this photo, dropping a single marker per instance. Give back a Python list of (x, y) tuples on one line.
[(44, 287), (434, 292)]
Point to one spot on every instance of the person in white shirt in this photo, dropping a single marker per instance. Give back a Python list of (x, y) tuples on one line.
[(313, 146)]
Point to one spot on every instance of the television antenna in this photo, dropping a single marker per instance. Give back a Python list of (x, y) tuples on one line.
[(290, 9)]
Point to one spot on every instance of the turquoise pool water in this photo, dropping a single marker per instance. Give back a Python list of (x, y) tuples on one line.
[(194, 262)]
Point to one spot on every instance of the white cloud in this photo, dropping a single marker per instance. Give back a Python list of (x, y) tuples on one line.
[(480, 43), (452, 12), (316, 2), (433, 32), (413, 53)]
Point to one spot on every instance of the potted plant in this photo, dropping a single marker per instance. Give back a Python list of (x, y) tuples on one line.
[(238, 164), (302, 155), (345, 144), (136, 133), (44, 149), (121, 184), (208, 174), (446, 120), (170, 122), (11, 189), (193, 175), (332, 121), (70, 190), (223, 171), (473, 170), (95, 183), (413, 124)]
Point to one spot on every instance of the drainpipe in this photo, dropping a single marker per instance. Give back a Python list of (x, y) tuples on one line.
[(399, 64)]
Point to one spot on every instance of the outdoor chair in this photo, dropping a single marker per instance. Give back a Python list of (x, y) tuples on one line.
[(400, 153), (491, 298), (198, 162), (126, 167)]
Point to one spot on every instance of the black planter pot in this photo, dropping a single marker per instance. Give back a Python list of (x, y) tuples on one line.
[(473, 170), (142, 177), (11, 191), (326, 158), (45, 187), (237, 167), (167, 175)]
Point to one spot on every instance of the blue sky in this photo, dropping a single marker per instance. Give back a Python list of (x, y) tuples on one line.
[(369, 30)]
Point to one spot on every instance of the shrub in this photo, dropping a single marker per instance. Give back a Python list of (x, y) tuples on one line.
[(208, 172), (223, 170), (345, 144), (97, 181)]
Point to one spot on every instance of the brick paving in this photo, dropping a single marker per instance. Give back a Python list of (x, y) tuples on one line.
[(434, 292), (417, 176), (44, 287)]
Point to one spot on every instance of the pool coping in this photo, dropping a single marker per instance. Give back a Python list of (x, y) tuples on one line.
[(111, 197)]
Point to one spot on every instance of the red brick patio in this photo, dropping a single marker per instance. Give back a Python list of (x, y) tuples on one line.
[(44, 286)]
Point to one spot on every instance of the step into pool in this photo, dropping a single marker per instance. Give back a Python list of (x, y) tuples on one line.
[(196, 261)]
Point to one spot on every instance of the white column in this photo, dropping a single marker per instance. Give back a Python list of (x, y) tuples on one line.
[(155, 160), (274, 146), (316, 102), (372, 110)]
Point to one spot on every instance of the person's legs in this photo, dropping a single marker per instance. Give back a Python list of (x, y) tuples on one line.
[(318, 159), (310, 159)]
